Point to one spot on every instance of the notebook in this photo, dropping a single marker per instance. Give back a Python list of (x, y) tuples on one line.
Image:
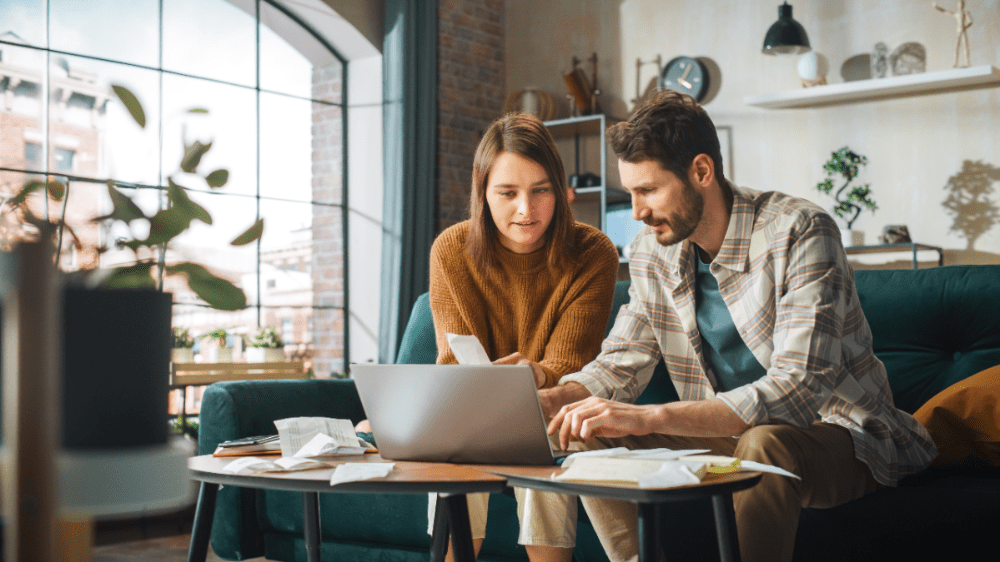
[(482, 414)]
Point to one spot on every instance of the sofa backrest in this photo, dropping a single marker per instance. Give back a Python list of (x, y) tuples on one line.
[(931, 327)]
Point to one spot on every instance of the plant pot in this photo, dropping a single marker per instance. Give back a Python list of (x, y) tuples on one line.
[(265, 355), (182, 355), (852, 237), (219, 355), (116, 356)]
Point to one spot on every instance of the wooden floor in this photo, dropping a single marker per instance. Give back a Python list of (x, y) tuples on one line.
[(163, 538)]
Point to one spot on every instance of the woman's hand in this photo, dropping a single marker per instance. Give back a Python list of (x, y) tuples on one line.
[(363, 427), (517, 359)]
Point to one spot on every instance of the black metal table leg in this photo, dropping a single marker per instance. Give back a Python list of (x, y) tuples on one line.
[(310, 520), (440, 531), (725, 527), (203, 516), (649, 532), (458, 521)]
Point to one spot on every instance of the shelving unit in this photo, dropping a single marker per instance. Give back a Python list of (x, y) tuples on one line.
[(578, 129), (958, 79)]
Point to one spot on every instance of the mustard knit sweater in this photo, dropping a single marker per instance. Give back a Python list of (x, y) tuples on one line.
[(556, 319)]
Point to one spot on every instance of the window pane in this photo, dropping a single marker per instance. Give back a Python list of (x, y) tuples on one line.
[(229, 124), (291, 59), (286, 254), (87, 118), (120, 30), (291, 157), (23, 21), (211, 39), (209, 245), (201, 320), (21, 130)]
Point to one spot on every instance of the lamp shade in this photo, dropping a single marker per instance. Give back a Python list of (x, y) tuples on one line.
[(786, 36)]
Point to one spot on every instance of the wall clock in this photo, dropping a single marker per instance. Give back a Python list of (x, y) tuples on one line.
[(686, 75)]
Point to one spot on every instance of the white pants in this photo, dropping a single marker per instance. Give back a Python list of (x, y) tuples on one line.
[(546, 519)]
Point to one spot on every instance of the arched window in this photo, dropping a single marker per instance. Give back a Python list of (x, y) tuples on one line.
[(272, 89)]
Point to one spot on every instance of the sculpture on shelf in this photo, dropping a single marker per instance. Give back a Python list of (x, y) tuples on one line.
[(895, 234), (908, 58), (880, 60), (964, 20), (850, 203), (813, 67)]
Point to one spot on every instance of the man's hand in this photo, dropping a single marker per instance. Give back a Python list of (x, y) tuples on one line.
[(583, 420), (554, 398), (517, 359)]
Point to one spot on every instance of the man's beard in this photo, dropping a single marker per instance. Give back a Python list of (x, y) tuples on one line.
[(681, 225)]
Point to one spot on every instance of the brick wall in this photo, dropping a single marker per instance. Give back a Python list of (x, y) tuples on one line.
[(471, 93), (327, 230)]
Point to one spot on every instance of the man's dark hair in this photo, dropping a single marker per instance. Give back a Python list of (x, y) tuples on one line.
[(670, 129)]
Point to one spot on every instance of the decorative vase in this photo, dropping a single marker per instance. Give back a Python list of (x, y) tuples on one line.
[(116, 356), (182, 355), (265, 355), (219, 355), (852, 237)]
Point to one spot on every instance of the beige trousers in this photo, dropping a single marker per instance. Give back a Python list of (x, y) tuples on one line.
[(546, 519), (767, 515)]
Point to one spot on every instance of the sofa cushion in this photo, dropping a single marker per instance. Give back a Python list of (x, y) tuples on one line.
[(964, 421), (931, 327)]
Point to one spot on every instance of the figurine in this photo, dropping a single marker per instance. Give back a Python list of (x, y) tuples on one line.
[(964, 20)]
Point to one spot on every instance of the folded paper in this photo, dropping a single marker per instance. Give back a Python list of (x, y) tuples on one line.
[(356, 471)]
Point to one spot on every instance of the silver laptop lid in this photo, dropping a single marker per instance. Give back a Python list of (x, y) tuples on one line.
[(485, 414)]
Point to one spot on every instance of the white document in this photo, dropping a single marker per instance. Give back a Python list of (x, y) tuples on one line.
[(251, 465), (322, 445), (468, 350), (644, 472), (355, 471), (624, 453), (296, 433)]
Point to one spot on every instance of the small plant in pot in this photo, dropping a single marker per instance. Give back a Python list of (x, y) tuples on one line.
[(851, 200), (265, 346), (182, 351), (217, 351)]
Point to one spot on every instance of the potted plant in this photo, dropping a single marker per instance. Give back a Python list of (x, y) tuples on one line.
[(851, 200), (219, 352), (182, 351), (117, 322), (265, 346)]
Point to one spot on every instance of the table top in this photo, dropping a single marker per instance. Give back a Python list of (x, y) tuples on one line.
[(540, 478), (406, 477)]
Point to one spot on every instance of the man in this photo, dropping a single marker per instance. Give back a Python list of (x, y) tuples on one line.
[(749, 299)]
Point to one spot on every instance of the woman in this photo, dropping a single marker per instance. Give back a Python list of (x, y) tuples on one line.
[(534, 286)]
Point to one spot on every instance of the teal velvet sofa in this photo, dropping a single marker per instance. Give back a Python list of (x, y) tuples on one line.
[(931, 327)]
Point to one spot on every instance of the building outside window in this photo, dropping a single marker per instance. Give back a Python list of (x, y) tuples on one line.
[(273, 91)]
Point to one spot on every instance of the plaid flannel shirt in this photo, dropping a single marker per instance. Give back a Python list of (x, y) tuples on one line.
[(787, 284)]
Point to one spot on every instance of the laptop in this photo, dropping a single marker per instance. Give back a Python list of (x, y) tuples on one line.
[(480, 414)]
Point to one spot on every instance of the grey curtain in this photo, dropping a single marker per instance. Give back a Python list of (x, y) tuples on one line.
[(410, 120)]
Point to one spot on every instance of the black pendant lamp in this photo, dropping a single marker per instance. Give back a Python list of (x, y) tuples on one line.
[(786, 36)]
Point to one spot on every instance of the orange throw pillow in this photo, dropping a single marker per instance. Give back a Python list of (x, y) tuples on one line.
[(964, 421)]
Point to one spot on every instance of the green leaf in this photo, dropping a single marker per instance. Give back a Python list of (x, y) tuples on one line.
[(197, 110), (192, 156), (217, 178), (27, 190), (217, 292), (56, 190), (178, 196), (133, 105), (124, 209), (251, 234), (166, 224), (138, 276)]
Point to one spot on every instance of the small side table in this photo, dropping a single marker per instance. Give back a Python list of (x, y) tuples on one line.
[(900, 247), (719, 487)]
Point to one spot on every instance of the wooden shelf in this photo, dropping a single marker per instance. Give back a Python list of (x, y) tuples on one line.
[(958, 79)]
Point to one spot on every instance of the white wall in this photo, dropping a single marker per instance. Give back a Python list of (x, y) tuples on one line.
[(914, 145)]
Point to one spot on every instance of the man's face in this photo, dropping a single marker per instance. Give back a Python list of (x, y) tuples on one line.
[(671, 205)]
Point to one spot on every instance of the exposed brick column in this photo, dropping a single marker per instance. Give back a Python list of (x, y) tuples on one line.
[(471, 92), (327, 226)]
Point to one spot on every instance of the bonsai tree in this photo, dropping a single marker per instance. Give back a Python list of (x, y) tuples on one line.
[(851, 200), (182, 338), (164, 225), (267, 337)]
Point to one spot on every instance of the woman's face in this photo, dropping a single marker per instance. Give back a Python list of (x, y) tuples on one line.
[(521, 201)]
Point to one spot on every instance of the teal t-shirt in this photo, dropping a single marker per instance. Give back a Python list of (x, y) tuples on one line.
[(726, 353)]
